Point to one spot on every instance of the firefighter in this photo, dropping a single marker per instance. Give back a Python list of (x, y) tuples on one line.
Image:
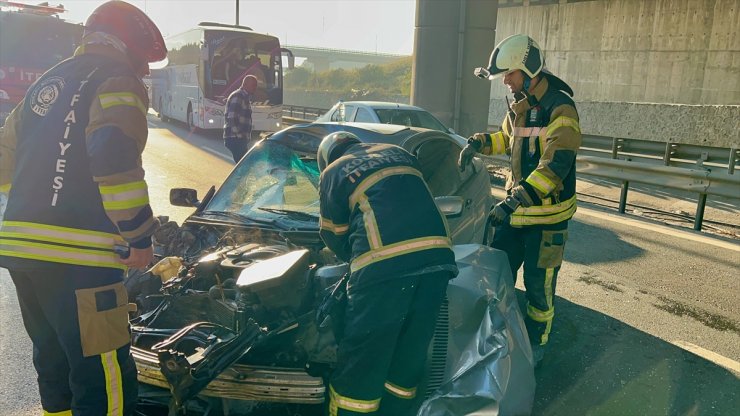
[(377, 214), (73, 147), (541, 133)]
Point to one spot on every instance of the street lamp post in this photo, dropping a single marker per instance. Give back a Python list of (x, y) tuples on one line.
[(237, 12)]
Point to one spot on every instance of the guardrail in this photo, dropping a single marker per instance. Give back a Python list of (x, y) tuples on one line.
[(685, 167)]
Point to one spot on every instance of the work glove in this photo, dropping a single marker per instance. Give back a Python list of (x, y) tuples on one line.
[(467, 153), (502, 211)]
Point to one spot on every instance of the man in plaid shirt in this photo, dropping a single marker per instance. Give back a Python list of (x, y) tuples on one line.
[(238, 119)]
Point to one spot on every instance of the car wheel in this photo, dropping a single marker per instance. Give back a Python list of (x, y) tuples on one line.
[(191, 122)]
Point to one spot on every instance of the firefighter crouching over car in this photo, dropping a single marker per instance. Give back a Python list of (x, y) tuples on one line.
[(73, 147), (377, 213), (542, 135)]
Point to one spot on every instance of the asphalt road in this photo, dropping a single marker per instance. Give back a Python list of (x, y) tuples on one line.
[(648, 320)]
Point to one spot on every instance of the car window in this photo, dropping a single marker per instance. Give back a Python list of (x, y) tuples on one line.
[(349, 112), (335, 115), (410, 118), (438, 162), (364, 116)]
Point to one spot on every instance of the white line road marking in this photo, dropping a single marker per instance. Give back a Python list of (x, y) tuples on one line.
[(217, 153), (712, 356), (659, 229)]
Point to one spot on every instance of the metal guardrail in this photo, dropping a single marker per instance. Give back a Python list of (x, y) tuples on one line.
[(302, 114), (685, 167)]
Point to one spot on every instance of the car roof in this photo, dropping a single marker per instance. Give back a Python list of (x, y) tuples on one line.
[(306, 137), (383, 105)]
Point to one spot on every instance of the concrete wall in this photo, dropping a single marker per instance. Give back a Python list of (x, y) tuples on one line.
[(639, 67), (659, 51), (704, 125)]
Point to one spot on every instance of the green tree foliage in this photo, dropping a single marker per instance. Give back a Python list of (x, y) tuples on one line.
[(369, 82)]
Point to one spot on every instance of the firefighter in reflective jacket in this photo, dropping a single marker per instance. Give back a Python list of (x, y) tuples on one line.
[(378, 215), (542, 135), (71, 158)]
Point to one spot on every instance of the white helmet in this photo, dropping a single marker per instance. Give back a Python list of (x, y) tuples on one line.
[(515, 52), (333, 146)]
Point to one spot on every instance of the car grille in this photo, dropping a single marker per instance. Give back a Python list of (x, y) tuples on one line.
[(242, 382), (436, 368)]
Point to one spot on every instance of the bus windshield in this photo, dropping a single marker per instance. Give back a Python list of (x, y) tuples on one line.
[(232, 55)]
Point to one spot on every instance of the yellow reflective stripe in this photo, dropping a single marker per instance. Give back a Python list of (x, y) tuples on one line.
[(371, 224), (399, 391), (121, 98), (377, 176), (498, 143), (540, 316), (113, 383), (549, 275), (398, 249), (126, 204), (125, 187), (124, 196), (520, 220), (337, 229), (541, 182), (527, 131), (57, 234), (354, 405), (563, 121), (62, 413), (546, 209), (5, 188), (59, 254)]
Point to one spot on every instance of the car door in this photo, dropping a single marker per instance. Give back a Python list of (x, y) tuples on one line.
[(437, 154)]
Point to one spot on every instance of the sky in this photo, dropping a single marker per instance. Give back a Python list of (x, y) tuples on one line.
[(385, 26)]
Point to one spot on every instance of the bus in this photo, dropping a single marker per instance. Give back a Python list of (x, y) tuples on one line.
[(32, 40), (207, 63)]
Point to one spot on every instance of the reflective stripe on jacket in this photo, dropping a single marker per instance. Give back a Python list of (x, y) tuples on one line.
[(542, 135), (78, 186), (377, 212)]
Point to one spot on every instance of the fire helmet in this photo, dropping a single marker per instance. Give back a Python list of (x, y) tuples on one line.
[(135, 29), (333, 146), (515, 52)]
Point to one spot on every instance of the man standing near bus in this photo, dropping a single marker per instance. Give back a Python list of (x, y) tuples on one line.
[(71, 157), (238, 118)]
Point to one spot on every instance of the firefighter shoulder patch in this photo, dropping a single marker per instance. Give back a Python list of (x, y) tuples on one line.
[(45, 94)]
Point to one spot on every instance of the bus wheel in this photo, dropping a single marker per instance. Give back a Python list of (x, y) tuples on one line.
[(191, 122), (161, 112)]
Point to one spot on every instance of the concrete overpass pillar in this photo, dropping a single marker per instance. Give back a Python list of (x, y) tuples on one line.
[(452, 37)]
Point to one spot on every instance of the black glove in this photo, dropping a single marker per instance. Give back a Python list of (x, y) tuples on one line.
[(501, 211), (467, 153)]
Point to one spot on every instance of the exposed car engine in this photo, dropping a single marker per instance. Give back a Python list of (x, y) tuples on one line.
[(248, 303)]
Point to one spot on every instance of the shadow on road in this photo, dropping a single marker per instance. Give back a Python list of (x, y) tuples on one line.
[(594, 245), (597, 365)]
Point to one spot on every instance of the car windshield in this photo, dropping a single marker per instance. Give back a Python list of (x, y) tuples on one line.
[(411, 118), (272, 181)]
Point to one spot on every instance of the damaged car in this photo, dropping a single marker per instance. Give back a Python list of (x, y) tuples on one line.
[(233, 319)]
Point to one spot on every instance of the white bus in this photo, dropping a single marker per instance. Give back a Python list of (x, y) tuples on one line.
[(207, 63)]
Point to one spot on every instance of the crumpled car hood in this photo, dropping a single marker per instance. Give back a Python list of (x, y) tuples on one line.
[(492, 372)]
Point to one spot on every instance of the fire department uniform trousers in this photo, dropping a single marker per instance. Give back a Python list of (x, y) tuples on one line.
[(382, 355), (540, 250), (67, 309)]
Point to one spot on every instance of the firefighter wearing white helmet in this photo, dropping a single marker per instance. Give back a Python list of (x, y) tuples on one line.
[(541, 133)]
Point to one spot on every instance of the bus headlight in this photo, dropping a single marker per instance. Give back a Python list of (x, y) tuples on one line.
[(210, 121)]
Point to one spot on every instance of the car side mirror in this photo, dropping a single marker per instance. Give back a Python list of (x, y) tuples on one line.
[(450, 206), (184, 197)]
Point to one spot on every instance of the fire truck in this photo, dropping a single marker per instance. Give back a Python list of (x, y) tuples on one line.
[(33, 38)]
